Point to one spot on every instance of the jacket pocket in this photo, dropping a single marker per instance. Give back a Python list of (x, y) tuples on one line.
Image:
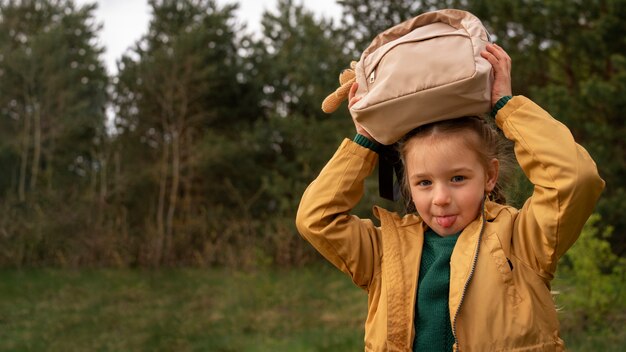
[(504, 265)]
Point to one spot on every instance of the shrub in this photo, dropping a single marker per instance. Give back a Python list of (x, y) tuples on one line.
[(591, 287)]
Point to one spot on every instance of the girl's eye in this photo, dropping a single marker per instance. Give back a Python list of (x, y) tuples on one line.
[(458, 178), (424, 183)]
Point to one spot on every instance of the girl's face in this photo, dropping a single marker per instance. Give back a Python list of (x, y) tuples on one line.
[(448, 180)]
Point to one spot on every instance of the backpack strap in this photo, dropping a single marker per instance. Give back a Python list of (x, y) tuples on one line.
[(389, 163)]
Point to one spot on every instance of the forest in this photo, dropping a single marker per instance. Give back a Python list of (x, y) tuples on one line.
[(196, 152)]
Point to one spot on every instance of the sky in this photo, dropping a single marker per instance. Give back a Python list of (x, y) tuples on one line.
[(125, 21)]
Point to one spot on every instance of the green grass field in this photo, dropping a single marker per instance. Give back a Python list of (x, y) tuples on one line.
[(308, 309), (312, 309)]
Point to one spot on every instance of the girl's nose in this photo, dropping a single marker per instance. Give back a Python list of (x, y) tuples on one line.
[(441, 196)]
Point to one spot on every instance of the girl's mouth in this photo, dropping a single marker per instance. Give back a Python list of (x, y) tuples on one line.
[(445, 221)]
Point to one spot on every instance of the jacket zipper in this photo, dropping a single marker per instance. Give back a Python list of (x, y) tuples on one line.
[(469, 278)]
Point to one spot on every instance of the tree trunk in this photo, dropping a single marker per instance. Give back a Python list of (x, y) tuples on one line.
[(187, 183), (162, 191), (24, 158), (34, 174), (173, 198), (104, 166), (117, 176)]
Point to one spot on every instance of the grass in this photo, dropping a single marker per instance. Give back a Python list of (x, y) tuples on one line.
[(308, 309)]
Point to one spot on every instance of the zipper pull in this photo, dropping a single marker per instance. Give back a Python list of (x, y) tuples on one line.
[(372, 76)]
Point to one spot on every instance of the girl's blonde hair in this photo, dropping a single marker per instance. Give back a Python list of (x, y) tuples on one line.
[(491, 145)]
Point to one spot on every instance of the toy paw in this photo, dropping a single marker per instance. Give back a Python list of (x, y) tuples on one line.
[(346, 78)]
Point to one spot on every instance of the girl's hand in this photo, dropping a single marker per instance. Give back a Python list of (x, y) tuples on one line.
[(501, 63), (351, 101)]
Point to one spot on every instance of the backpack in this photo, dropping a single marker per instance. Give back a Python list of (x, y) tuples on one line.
[(423, 70)]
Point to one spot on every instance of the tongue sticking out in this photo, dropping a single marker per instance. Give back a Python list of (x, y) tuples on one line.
[(446, 221)]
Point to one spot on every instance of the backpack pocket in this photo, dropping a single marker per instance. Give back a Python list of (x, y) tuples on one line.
[(428, 57)]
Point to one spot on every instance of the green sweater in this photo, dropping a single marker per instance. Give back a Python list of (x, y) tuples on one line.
[(433, 330)]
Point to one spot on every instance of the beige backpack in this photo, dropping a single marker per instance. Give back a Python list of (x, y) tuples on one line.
[(423, 70)]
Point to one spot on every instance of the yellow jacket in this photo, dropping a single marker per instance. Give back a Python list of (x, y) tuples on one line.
[(502, 264)]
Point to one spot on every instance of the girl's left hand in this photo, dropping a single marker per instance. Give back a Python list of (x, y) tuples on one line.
[(351, 101), (501, 63)]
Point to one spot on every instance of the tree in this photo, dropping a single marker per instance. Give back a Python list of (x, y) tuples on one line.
[(298, 60), (182, 80), (52, 97), (53, 112)]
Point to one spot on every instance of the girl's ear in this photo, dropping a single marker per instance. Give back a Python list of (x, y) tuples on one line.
[(492, 175)]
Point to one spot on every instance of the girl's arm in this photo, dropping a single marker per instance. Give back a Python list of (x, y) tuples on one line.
[(323, 218), (566, 184), (565, 178)]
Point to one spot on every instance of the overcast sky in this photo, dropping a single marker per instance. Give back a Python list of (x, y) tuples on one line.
[(125, 21)]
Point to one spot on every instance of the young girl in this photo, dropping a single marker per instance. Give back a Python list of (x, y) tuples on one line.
[(463, 272)]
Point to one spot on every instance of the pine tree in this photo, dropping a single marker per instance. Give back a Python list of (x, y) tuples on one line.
[(181, 84), (52, 98)]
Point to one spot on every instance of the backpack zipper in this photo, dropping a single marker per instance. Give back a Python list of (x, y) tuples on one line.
[(372, 76), (469, 278)]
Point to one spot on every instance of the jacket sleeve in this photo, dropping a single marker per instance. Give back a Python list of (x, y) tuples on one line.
[(566, 184), (323, 218)]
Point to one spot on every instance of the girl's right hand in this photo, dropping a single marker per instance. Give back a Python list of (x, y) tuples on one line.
[(351, 101)]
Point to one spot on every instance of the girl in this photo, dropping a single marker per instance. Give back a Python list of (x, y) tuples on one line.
[(463, 273)]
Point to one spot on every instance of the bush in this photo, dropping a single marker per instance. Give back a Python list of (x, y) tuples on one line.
[(591, 290)]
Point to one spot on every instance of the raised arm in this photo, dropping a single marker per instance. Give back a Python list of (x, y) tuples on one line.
[(565, 178), (324, 219)]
